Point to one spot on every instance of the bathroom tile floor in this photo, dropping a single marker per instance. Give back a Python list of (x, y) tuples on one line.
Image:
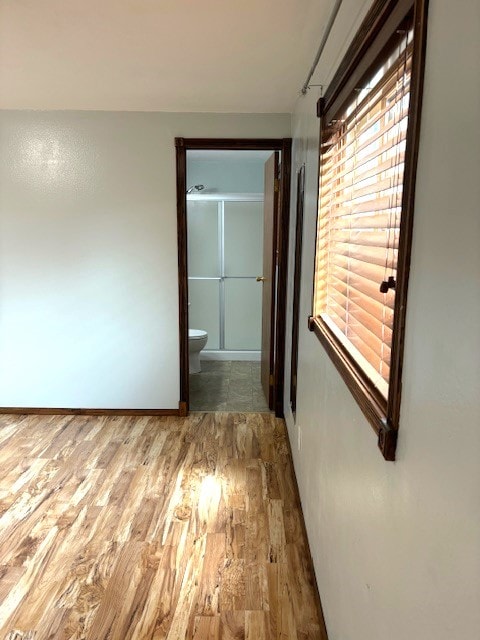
[(227, 386)]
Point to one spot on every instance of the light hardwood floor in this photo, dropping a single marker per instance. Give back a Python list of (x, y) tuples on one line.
[(146, 528)]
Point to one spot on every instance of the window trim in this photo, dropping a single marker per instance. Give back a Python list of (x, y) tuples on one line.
[(368, 48)]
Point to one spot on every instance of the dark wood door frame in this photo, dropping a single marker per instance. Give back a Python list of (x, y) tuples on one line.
[(271, 202), (182, 145), (297, 276)]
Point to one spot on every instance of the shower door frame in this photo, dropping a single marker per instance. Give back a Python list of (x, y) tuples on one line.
[(220, 200), (284, 145)]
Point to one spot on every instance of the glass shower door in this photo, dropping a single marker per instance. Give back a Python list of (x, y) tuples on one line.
[(204, 269), (243, 247), (225, 245)]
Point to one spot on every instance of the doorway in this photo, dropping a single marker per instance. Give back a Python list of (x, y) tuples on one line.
[(217, 263)]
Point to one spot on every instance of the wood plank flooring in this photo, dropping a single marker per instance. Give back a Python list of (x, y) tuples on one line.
[(154, 528)]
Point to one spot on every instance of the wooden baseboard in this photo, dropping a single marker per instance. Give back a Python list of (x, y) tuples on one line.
[(182, 409), (88, 412)]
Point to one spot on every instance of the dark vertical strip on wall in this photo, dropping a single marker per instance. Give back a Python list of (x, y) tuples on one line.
[(296, 287), (282, 261), (181, 159)]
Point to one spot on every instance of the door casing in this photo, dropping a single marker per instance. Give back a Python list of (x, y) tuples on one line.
[(269, 273), (297, 276), (182, 145)]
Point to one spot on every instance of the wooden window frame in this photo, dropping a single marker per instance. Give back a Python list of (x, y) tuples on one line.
[(370, 48)]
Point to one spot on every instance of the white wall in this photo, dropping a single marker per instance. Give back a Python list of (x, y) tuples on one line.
[(88, 257), (241, 173), (396, 546)]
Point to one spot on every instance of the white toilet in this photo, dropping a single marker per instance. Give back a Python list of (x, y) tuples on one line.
[(197, 339)]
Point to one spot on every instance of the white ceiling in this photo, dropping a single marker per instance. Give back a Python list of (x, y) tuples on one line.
[(157, 55)]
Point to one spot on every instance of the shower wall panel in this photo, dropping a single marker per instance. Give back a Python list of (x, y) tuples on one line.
[(203, 238), (243, 314), (204, 310), (243, 239)]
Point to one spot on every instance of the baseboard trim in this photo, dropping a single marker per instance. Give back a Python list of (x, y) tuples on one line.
[(87, 412), (182, 409)]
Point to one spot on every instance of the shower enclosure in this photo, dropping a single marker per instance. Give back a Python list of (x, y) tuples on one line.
[(225, 252)]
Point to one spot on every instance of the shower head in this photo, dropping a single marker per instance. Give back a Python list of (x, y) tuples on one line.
[(197, 187)]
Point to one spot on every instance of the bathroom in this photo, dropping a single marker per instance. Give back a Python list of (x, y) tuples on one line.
[(225, 198)]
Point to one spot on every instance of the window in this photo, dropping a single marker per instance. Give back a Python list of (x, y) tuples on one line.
[(368, 142)]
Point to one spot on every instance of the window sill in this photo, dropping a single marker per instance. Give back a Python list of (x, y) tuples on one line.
[(372, 404)]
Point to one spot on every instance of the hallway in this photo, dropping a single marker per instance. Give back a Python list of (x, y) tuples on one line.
[(227, 386), (147, 527)]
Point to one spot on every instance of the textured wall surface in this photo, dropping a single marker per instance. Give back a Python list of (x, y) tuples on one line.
[(88, 254), (396, 546), (228, 175)]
